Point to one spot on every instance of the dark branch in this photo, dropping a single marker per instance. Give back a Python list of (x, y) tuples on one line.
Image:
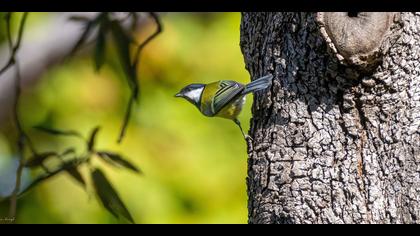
[(75, 162), (22, 136), (13, 49), (159, 28)]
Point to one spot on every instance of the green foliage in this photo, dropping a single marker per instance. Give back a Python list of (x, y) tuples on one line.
[(75, 173), (38, 159), (58, 132), (123, 40), (116, 160), (99, 53), (195, 167), (106, 193), (108, 196), (91, 142)]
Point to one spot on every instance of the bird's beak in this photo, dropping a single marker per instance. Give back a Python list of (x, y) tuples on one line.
[(178, 95)]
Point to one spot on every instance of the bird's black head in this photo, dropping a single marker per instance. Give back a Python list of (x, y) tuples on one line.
[(192, 93)]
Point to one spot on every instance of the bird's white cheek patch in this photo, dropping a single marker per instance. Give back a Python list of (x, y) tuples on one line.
[(195, 94)]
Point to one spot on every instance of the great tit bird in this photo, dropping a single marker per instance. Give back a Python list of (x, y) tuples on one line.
[(223, 98)]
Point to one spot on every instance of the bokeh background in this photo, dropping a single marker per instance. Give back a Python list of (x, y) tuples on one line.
[(195, 167)]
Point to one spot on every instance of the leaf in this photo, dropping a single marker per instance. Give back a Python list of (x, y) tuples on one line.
[(58, 132), (38, 159), (91, 143), (122, 42), (108, 196), (68, 151), (116, 160), (101, 18), (78, 18), (83, 37), (134, 21), (74, 172), (99, 54)]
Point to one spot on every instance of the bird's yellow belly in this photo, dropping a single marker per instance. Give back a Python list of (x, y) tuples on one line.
[(232, 110)]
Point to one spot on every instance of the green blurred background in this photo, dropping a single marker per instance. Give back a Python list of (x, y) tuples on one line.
[(195, 167)]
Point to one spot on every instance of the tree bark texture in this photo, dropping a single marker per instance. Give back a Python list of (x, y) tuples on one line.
[(334, 140)]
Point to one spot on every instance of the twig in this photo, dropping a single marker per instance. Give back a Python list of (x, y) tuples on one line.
[(51, 173), (21, 133), (48, 174), (134, 93), (13, 49), (21, 146), (159, 28)]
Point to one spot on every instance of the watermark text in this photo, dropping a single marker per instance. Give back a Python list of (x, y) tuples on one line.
[(7, 220)]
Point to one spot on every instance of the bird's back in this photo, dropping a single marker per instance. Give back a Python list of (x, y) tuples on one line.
[(207, 98), (217, 96)]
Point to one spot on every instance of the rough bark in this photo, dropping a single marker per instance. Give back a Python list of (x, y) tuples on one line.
[(332, 142)]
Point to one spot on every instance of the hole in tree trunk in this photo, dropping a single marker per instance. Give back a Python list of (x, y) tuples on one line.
[(352, 14)]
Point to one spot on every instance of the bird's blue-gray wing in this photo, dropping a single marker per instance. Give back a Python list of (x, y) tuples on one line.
[(227, 91)]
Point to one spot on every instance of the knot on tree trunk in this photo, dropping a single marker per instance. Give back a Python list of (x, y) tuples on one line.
[(359, 39)]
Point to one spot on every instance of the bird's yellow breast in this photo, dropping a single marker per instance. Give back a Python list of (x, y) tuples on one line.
[(233, 109)]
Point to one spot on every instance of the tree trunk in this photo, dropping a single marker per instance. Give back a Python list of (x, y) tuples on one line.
[(337, 137)]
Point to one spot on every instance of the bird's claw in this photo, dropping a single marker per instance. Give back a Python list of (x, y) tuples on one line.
[(249, 141), (248, 138)]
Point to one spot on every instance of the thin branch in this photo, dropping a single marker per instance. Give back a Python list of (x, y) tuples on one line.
[(75, 162), (13, 49), (159, 28), (8, 18), (21, 133), (10, 62), (21, 146), (20, 33), (135, 65)]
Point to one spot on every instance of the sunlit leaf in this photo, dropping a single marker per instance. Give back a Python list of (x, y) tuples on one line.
[(108, 196), (38, 159), (91, 143), (116, 160), (58, 132)]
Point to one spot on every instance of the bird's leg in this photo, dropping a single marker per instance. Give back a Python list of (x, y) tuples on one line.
[(246, 137), (240, 127)]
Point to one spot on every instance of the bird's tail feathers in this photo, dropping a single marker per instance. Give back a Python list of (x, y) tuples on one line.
[(258, 84)]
